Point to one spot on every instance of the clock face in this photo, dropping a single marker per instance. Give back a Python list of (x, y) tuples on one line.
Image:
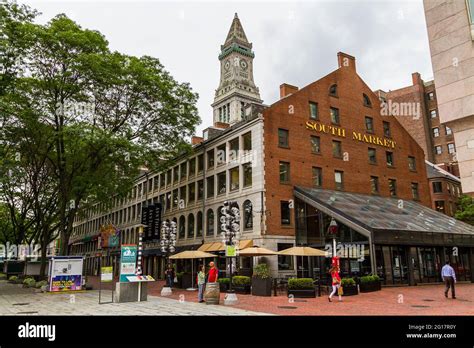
[(227, 65), (243, 64)]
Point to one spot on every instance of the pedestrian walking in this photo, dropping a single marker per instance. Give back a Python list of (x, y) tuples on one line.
[(449, 278), (336, 283), (201, 282), (169, 275), (213, 273)]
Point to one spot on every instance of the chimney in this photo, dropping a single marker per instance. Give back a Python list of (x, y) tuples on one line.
[(286, 89), (346, 61), (221, 125), (196, 140), (416, 79)]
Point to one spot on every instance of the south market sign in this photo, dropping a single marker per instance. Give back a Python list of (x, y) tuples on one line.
[(358, 136)]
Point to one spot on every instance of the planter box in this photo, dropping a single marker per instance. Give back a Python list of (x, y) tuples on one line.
[(261, 287), (302, 293), (369, 287), (223, 287), (350, 290), (241, 289)]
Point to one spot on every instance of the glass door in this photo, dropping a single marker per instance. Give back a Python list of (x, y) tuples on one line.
[(399, 265)]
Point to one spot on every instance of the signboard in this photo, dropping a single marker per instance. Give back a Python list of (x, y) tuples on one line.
[(128, 261), (65, 274), (156, 223), (136, 279), (106, 274), (148, 232), (144, 221), (230, 251), (109, 236)]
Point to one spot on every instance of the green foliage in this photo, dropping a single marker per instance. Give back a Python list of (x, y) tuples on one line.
[(261, 271), (241, 280), (224, 280), (369, 279), (29, 282), (13, 279), (41, 283), (3, 276), (465, 210), (300, 284), (179, 275), (347, 282)]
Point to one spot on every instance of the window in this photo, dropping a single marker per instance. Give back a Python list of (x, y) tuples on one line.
[(192, 192), (182, 194), (234, 179), (182, 171), (315, 144), (210, 159), (438, 149), (433, 113), (285, 262), (369, 124), (248, 215), (283, 138), (168, 177), (182, 227), (338, 178), (414, 191), (190, 226), (210, 223), (448, 130), (389, 156), (451, 148), (313, 110), (285, 213), (436, 132), (411, 163), (336, 149), (284, 172), (430, 96), (247, 140), (200, 163), (199, 224), (317, 176), (333, 90), (437, 187), (374, 184), (335, 116), (367, 101), (192, 167), (175, 198), (221, 183), (200, 190), (372, 156), (439, 206), (392, 186), (210, 187), (386, 129), (175, 174), (233, 149), (221, 155), (247, 169)]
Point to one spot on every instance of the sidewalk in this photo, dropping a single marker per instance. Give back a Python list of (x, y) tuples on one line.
[(415, 300)]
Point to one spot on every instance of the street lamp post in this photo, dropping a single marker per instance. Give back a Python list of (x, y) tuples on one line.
[(168, 243), (230, 233)]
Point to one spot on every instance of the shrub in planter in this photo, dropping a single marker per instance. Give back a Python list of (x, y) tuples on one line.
[(349, 287), (41, 283), (301, 287), (241, 284), (29, 283), (370, 283), (3, 276), (179, 276), (261, 281), (224, 283), (13, 279)]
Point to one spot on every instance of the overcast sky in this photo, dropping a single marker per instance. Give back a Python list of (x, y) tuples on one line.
[(294, 42)]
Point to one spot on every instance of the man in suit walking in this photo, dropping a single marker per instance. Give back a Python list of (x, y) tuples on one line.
[(449, 278)]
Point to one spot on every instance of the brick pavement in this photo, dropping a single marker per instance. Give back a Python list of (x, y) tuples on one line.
[(416, 300)]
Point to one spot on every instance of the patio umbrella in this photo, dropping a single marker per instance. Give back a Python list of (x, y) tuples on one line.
[(191, 254), (256, 251), (302, 251)]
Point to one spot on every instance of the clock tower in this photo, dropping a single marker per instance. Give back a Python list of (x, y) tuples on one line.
[(236, 88)]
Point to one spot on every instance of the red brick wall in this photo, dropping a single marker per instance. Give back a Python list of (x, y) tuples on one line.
[(357, 170)]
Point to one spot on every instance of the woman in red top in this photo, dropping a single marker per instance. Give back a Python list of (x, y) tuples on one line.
[(336, 282)]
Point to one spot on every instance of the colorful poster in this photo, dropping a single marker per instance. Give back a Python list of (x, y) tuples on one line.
[(65, 274), (106, 274), (109, 236), (230, 251), (128, 261)]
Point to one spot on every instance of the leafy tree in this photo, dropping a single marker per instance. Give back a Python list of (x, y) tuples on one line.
[(465, 210)]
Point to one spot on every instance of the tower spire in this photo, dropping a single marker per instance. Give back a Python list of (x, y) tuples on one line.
[(236, 33)]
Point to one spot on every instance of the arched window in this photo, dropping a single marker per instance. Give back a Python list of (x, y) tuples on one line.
[(199, 224), (367, 101), (191, 225), (248, 215), (210, 223), (219, 223), (182, 227), (333, 90)]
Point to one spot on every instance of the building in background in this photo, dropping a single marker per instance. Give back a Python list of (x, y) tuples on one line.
[(450, 27), (445, 189)]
